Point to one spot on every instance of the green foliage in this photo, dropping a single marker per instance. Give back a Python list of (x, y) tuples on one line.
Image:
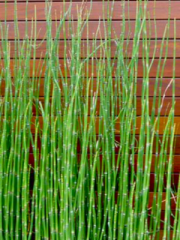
[(85, 182)]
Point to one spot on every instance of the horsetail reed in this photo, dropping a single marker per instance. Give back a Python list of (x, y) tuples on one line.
[(91, 153)]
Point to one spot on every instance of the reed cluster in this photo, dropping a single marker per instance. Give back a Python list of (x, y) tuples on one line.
[(75, 158)]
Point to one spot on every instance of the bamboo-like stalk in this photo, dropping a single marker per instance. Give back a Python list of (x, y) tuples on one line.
[(85, 183)]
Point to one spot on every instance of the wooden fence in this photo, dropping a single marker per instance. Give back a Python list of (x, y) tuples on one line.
[(157, 9)]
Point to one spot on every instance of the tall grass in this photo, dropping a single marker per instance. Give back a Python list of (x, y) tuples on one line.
[(91, 173)]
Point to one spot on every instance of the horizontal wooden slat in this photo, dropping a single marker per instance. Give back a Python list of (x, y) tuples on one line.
[(163, 121), (174, 181), (117, 139), (163, 221), (20, 1), (165, 109), (173, 201), (165, 90), (168, 71), (161, 232), (176, 145), (90, 31), (175, 168), (98, 10), (85, 46)]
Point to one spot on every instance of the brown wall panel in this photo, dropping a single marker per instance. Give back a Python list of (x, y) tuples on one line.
[(168, 71), (163, 122), (166, 105), (95, 28), (175, 169), (155, 46), (166, 88), (117, 138), (176, 147)]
